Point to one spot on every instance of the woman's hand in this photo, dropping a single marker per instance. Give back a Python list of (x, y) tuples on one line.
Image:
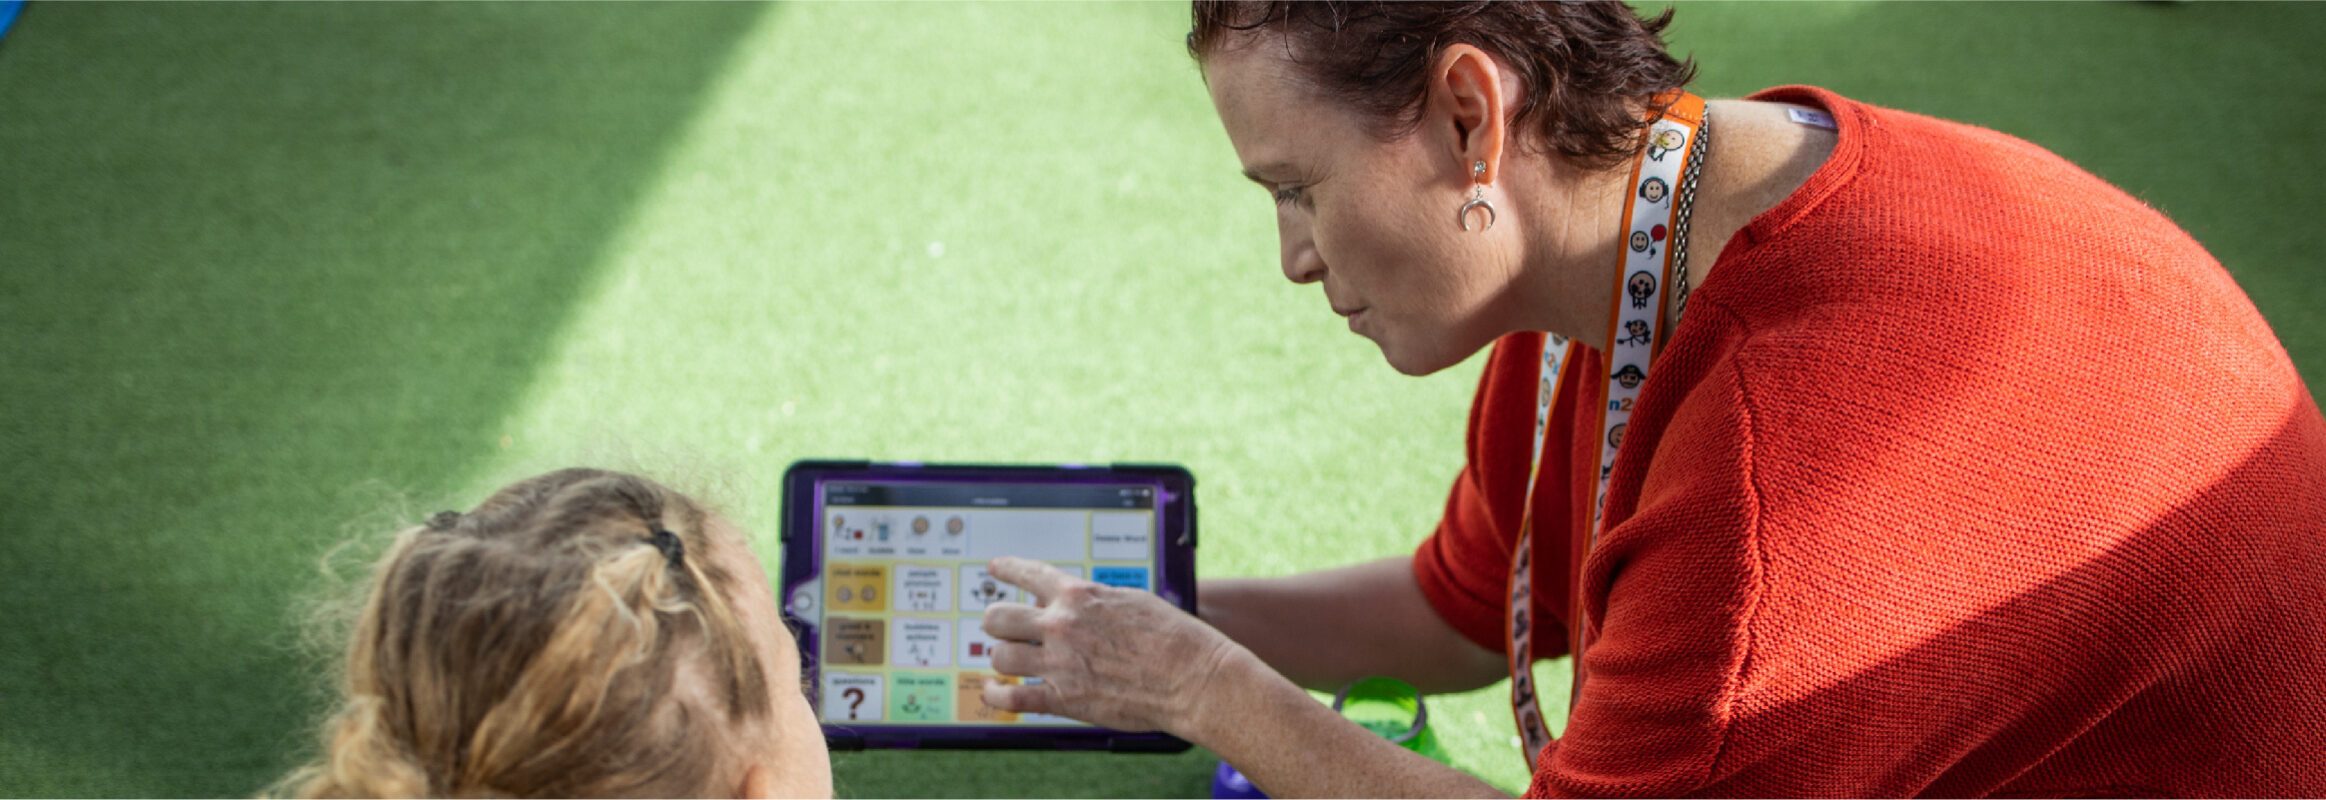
[(1113, 657), (1125, 659)]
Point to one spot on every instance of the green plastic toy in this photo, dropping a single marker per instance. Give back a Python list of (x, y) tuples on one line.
[(1393, 709), (1386, 706)]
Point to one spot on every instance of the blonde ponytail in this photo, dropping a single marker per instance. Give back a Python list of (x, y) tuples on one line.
[(535, 646), (364, 760)]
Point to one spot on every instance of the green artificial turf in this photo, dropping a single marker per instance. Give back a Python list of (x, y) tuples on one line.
[(272, 275)]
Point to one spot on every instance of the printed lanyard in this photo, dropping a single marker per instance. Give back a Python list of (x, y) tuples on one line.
[(1634, 333)]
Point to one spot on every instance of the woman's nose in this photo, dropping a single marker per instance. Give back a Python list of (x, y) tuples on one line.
[(1301, 263)]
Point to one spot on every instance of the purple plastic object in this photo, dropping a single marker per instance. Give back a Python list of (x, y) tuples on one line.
[(1227, 783)]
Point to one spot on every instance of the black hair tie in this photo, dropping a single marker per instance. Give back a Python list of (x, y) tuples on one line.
[(668, 543)]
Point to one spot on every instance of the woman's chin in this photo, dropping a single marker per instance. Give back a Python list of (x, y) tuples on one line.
[(1407, 361), (1424, 355)]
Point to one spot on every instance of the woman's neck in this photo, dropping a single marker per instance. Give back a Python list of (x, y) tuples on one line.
[(1758, 156), (1575, 254)]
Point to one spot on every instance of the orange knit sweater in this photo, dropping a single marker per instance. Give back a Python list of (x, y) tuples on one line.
[(1965, 474)]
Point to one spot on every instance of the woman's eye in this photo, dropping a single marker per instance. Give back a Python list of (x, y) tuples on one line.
[(1287, 196)]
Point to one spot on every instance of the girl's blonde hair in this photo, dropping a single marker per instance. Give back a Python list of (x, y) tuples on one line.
[(533, 647)]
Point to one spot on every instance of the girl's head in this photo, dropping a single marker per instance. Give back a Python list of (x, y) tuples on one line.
[(582, 633)]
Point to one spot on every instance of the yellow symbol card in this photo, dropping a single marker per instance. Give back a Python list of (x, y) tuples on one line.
[(856, 587), (970, 686)]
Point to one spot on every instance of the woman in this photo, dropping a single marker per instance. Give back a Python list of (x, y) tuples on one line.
[(579, 634), (1849, 451)]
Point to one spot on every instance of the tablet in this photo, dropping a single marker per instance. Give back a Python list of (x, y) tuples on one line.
[(885, 586)]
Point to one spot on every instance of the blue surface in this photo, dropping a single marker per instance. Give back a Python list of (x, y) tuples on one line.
[(1127, 577), (8, 10)]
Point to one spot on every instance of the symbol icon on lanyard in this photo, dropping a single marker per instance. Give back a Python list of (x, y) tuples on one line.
[(1630, 376), (1637, 330), (1665, 141), (1642, 285), (1652, 202), (1654, 190), (1646, 241)]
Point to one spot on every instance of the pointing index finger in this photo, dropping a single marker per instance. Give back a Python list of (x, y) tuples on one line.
[(1034, 576)]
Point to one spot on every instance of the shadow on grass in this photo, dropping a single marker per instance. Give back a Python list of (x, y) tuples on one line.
[(257, 258)]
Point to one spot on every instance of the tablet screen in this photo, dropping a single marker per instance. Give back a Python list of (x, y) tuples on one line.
[(905, 586)]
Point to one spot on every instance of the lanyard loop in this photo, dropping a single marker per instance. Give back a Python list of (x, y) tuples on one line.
[(1635, 332)]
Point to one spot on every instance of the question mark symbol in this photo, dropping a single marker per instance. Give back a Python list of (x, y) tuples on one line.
[(855, 698)]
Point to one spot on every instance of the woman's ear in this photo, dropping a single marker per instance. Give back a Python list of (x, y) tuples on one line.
[(1467, 87)]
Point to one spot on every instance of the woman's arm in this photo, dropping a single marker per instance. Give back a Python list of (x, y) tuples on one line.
[(1125, 659), (1325, 629), (1290, 745)]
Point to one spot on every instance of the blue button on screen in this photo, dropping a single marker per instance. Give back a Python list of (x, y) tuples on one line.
[(1126, 577)]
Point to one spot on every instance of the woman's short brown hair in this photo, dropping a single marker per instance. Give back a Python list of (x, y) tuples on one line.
[(1593, 71)]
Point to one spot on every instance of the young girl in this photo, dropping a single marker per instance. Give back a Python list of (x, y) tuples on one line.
[(579, 634)]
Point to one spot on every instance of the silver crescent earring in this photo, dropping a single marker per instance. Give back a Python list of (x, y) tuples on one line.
[(1477, 199)]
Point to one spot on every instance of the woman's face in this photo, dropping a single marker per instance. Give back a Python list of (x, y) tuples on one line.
[(794, 763), (1373, 222)]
